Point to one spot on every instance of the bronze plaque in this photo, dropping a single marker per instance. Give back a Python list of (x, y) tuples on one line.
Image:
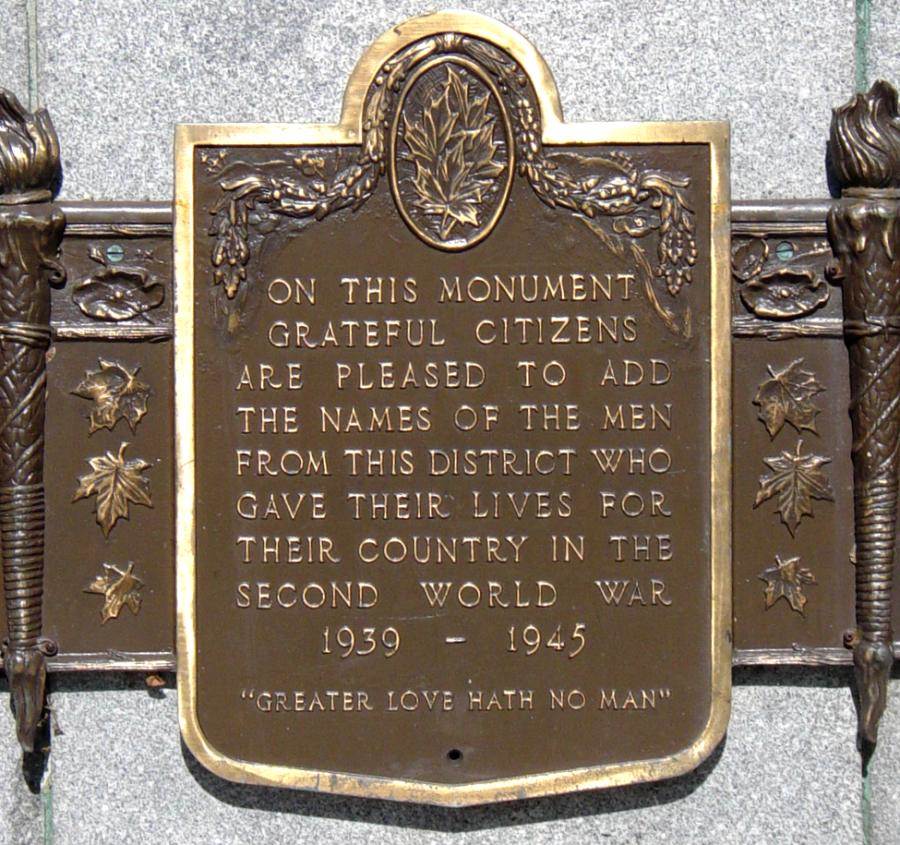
[(452, 432)]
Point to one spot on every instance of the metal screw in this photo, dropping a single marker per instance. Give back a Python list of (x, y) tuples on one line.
[(784, 251)]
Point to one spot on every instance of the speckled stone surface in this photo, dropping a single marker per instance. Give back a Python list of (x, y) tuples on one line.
[(14, 48), (117, 74), (883, 775), (787, 772), (884, 44), (21, 801)]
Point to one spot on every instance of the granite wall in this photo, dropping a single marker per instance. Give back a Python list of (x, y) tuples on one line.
[(117, 74)]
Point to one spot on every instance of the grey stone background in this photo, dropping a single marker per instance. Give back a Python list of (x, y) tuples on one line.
[(117, 74)]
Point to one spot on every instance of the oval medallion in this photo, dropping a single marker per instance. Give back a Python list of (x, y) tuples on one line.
[(451, 153)]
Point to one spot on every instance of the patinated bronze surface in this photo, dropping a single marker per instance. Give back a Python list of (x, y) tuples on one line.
[(31, 229), (382, 253), (761, 233), (109, 382), (452, 408), (790, 393), (864, 228)]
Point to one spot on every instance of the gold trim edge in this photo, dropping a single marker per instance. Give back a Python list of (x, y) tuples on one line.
[(555, 132)]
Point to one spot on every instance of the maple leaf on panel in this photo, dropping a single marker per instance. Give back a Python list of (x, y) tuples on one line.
[(115, 482), (786, 579), (117, 394), (119, 589), (796, 480), (453, 148), (787, 397)]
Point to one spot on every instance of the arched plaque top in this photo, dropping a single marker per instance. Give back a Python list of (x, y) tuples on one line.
[(437, 23), (448, 188)]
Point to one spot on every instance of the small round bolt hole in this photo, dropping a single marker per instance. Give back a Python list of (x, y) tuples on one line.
[(454, 754), (784, 251)]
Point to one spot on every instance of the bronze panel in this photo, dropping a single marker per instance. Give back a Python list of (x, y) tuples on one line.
[(76, 545), (774, 635), (458, 691), (780, 256), (118, 261), (823, 541)]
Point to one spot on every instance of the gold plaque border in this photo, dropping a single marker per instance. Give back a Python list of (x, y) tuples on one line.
[(555, 132)]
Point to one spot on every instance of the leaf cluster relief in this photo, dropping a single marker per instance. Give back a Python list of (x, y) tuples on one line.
[(786, 579), (453, 146), (117, 394), (787, 397), (119, 588)]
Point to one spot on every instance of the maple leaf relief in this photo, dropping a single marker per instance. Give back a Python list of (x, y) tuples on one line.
[(119, 589), (787, 397), (795, 481), (117, 394), (453, 147), (115, 482), (786, 579)]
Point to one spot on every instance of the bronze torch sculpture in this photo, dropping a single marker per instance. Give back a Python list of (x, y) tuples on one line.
[(864, 229), (31, 228)]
